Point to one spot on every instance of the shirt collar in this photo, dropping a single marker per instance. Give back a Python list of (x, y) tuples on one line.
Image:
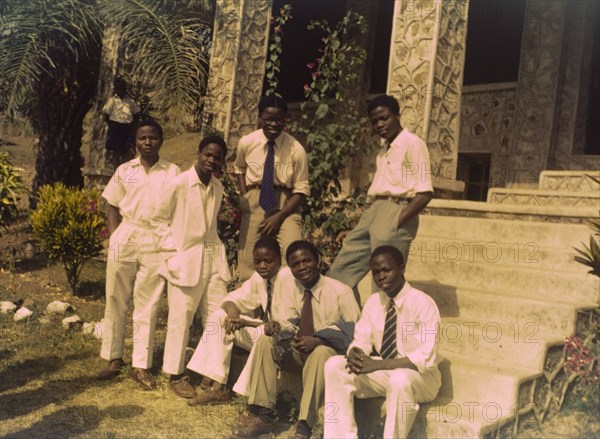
[(400, 297), (194, 180), (161, 163), (278, 139), (316, 289)]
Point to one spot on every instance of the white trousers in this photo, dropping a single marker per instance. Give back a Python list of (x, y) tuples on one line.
[(212, 357), (403, 389), (183, 303), (132, 270)]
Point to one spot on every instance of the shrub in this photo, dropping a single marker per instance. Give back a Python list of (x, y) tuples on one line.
[(11, 186), (69, 226)]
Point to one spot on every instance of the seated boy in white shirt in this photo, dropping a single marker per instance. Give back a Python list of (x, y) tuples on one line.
[(401, 324), (236, 323)]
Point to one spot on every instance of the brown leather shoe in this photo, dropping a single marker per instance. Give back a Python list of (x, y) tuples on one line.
[(143, 377), (112, 370), (211, 396), (251, 427), (182, 387), (303, 431)]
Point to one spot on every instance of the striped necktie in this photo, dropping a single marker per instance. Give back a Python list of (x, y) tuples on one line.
[(266, 199), (389, 348), (267, 312)]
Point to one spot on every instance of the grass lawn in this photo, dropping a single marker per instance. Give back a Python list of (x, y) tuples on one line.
[(48, 385)]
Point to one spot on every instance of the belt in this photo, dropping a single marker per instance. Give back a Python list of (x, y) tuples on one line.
[(393, 199), (250, 187)]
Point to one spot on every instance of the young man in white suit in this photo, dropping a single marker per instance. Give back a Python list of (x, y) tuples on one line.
[(195, 263)]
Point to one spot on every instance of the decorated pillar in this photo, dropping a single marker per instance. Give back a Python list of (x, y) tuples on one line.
[(237, 66), (427, 57), (538, 90)]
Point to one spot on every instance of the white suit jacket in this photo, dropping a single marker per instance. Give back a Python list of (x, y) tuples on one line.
[(191, 244)]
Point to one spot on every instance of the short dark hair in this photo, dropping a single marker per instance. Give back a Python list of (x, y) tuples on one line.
[(384, 101), (301, 245), (268, 243), (213, 139), (149, 123), (272, 102), (389, 250)]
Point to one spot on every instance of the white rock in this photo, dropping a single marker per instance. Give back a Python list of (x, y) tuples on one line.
[(71, 322), (58, 307), (22, 314), (93, 328), (7, 307)]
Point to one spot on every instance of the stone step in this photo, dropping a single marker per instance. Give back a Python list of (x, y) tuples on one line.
[(574, 181), (518, 344), (466, 378), (544, 234), (529, 283), (535, 197), (490, 307), (426, 249)]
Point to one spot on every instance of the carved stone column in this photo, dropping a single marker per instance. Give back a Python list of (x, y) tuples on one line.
[(237, 66), (539, 68), (426, 74)]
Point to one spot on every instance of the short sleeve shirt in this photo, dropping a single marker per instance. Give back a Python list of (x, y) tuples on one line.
[(136, 193), (403, 169), (291, 166), (120, 110)]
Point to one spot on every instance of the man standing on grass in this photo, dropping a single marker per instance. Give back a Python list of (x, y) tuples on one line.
[(133, 195)]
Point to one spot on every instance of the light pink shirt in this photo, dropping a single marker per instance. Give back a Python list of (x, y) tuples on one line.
[(403, 169), (416, 329), (291, 166)]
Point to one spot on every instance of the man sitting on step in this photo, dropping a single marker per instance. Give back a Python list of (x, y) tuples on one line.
[(401, 324), (321, 303), (265, 292)]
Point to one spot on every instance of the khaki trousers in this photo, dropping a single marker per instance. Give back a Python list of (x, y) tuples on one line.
[(252, 216), (258, 380)]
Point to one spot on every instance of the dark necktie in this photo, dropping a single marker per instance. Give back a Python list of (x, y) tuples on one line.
[(267, 312), (307, 326), (389, 348), (266, 199)]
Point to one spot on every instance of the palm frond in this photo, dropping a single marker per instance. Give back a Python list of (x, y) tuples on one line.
[(161, 44), (34, 33)]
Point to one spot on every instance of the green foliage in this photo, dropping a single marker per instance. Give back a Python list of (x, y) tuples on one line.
[(11, 186), (229, 217), (272, 66), (165, 43), (590, 255), (70, 227), (331, 124), (581, 361)]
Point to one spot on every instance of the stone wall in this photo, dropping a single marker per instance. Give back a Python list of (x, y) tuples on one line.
[(539, 68), (426, 74), (487, 119)]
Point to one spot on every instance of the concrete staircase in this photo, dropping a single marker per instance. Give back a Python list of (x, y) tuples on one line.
[(508, 291)]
